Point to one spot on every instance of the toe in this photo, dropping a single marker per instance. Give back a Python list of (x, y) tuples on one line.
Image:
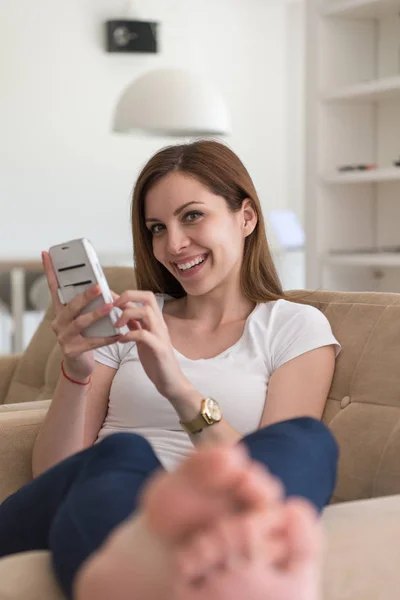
[(201, 489), (215, 468), (199, 557), (233, 542), (255, 538), (304, 534), (245, 582), (258, 489)]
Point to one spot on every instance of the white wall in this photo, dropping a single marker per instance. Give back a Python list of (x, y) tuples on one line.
[(291, 264), (63, 174), (295, 105)]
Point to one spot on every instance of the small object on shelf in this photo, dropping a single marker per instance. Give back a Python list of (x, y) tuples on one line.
[(363, 167), (397, 162)]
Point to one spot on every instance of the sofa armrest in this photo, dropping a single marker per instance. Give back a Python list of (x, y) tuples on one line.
[(362, 554), (21, 406), (8, 364), (18, 431)]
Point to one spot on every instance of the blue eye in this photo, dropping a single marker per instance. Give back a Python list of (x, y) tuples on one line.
[(190, 216), (154, 229), (193, 215)]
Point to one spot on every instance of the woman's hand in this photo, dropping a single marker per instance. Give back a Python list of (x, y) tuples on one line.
[(68, 325), (149, 330)]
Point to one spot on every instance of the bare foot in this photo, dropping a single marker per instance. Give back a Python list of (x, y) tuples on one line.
[(258, 555), (138, 561), (216, 529)]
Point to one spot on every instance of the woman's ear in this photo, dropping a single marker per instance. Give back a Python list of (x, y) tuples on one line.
[(250, 217)]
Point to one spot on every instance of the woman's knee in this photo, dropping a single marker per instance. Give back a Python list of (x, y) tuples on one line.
[(304, 433), (314, 431)]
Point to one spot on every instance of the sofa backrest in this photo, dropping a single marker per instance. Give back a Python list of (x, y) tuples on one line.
[(363, 407)]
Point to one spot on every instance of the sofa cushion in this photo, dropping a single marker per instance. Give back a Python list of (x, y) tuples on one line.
[(362, 551), (28, 576), (18, 431)]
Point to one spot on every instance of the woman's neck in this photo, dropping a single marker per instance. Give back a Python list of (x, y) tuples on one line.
[(215, 308)]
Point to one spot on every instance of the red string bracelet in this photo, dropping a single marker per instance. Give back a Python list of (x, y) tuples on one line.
[(73, 380)]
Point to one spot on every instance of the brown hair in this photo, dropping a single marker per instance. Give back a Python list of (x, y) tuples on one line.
[(218, 168)]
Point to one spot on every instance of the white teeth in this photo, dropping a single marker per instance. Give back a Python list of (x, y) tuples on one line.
[(189, 265)]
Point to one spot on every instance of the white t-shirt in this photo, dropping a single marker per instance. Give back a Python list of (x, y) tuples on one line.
[(274, 333)]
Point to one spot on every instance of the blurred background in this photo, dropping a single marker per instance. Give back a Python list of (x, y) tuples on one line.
[(64, 170)]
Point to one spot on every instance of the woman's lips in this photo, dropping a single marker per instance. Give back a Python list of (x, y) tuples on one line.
[(193, 270)]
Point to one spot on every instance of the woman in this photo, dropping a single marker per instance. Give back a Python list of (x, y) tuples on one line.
[(218, 356)]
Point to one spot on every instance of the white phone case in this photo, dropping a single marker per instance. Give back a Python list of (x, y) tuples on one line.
[(77, 268)]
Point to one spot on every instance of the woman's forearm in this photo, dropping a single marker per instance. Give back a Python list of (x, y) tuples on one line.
[(61, 433), (187, 406)]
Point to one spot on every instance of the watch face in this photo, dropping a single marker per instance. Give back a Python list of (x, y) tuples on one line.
[(213, 410)]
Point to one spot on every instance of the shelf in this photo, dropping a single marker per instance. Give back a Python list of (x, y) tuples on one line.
[(374, 176), (353, 117), (361, 9), (370, 259), (370, 91)]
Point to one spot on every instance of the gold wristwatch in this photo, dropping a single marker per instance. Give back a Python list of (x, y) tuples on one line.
[(210, 413)]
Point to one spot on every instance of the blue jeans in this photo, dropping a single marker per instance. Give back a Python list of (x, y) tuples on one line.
[(71, 508)]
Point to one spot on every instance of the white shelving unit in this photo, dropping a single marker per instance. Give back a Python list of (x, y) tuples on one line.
[(360, 9), (373, 176), (381, 89), (368, 259), (353, 118)]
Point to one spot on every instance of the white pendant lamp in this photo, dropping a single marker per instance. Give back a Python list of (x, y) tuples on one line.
[(172, 102)]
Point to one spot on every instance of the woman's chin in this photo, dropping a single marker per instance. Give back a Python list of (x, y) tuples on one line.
[(200, 288)]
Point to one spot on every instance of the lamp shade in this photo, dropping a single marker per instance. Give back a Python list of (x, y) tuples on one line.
[(172, 102)]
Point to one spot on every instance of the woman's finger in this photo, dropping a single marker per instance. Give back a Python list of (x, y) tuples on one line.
[(75, 306), (145, 298), (141, 336), (100, 342), (79, 324), (143, 314), (51, 280)]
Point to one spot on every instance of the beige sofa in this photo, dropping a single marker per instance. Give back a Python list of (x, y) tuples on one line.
[(363, 411)]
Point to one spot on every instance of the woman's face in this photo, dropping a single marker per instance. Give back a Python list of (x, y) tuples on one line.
[(195, 236)]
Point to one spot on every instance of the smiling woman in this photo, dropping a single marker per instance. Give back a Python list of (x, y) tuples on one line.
[(214, 355), (203, 246), (208, 172)]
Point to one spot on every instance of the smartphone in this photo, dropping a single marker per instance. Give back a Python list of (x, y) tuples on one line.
[(77, 268)]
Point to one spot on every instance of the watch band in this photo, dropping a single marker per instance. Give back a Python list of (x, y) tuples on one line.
[(194, 426), (210, 413)]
